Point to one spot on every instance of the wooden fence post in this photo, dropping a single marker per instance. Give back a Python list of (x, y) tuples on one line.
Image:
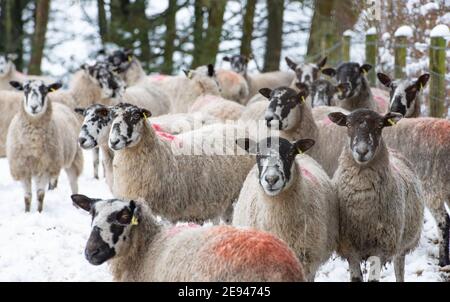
[(437, 70), (346, 41), (401, 39), (371, 53)]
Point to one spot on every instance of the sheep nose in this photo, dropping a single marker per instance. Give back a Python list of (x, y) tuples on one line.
[(272, 179), (114, 143), (33, 108), (307, 78), (362, 150), (81, 141)]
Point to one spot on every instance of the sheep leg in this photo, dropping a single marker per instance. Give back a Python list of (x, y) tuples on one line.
[(355, 269), (443, 223), (41, 183), (53, 183), (26, 185), (399, 268), (73, 179), (96, 160)]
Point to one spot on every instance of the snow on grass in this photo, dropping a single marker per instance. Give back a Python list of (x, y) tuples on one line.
[(50, 246)]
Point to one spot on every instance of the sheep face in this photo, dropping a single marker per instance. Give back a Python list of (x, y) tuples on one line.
[(308, 72), (364, 131), (127, 126), (238, 63), (350, 78), (275, 158), (403, 93), (6, 63), (112, 222), (112, 86), (285, 106), (322, 93), (35, 95), (95, 128), (121, 60)]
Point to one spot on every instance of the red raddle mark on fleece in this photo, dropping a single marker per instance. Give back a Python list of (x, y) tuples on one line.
[(251, 249), (326, 121), (179, 228), (437, 130), (308, 175), (158, 77), (229, 76), (164, 135)]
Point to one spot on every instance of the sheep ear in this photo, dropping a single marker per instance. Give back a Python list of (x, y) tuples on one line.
[(391, 118), (146, 113), (82, 201), (422, 81), (79, 111), (292, 65), (12, 56), (189, 73), (322, 63), (247, 144), (266, 92), (384, 79), (211, 71), (302, 145), (338, 118), (102, 111), (16, 85), (331, 72), (365, 68), (226, 59), (54, 86)]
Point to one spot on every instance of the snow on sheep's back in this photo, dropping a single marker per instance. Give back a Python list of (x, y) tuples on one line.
[(47, 246)]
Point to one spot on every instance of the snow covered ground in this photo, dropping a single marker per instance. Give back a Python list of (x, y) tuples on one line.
[(49, 246)]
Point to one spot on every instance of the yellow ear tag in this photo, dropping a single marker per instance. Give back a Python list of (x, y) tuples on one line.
[(421, 87), (134, 220), (299, 151), (391, 122), (145, 116), (364, 71), (190, 74), (303, 99), (52, 89), (130, 58)]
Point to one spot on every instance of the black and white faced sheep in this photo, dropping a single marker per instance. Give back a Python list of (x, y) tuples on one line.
[(291, 197), (307, 72), (127, 236), (42, 140), (380, 198), (354, 89), (405, 95), (144, 162)]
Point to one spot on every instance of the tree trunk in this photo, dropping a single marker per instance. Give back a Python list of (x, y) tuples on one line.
[(247, 31), (171, 35), (102, 21), (38, 43), (198, 31), (137, 19), (274, 35), (320, 25)]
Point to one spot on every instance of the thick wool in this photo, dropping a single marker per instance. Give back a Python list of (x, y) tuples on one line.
[(196, 190), (44, 145), (381, 206), (304, 215), (233, 86), (191, 253), (270, 80), (217, 107), (183, 122)]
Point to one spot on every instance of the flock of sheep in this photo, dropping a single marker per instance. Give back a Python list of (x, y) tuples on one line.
[(338, 167)]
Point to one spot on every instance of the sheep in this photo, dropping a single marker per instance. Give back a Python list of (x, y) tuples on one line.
[(142, 163), (354, 90), (233, 86), (217, 107), (405, 95), (127, 66), (41, 141), (257, 81), (305, 73), (291, 197), (127, 235), (380, 197), (9, 73)]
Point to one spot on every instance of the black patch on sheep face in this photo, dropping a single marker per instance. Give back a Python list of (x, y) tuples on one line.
[(238, 63), (322, 93), (284, 109), (350, 74), (111, 84), (127, 126), (404, 93), (95, 127), (121, 60), (111, 224), (364, 131)]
